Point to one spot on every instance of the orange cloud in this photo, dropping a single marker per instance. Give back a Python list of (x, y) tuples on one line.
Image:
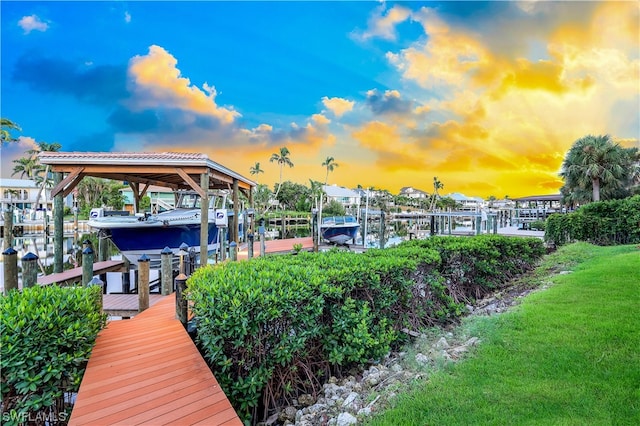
[(157, 82), (338, 106)]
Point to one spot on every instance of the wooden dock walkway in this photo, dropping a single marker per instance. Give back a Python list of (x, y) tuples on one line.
[(276, 246), (125, 305), (71, 276), (147, 370)]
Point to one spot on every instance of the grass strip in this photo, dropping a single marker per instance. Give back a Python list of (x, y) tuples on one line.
[(569, 355)]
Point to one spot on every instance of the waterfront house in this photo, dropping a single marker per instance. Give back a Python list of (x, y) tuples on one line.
[(20, 194)]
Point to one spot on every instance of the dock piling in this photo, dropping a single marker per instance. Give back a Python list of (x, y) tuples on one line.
[(181, 302), (233, 251), (143, 283), (250, 246), (166, 277), (10, 261), (29, 270), (87, 265), (8, 229)]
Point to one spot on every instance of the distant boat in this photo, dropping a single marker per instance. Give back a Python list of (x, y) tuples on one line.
[(149, 234), (339, 229)]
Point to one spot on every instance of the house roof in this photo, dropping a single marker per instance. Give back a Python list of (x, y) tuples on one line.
[(339, 191), (552, 197), (406, 189), (169, 169), (17, 183), (461, 197)]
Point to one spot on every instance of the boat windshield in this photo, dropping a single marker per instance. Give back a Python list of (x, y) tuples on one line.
[(339, 220), (189, 201), (193, 201)]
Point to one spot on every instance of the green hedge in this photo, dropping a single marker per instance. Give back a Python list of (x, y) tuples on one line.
[(602, 223), (47, 336), (272, 328)]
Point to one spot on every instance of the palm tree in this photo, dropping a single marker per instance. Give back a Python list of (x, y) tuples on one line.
[(282, 158), (597, 165), (330, 164), (44, 147), (6, 126), (255, 170), (25, 166), (436, 186), (316, 192)]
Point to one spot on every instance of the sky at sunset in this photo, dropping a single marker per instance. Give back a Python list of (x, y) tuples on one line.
[(487, 96)]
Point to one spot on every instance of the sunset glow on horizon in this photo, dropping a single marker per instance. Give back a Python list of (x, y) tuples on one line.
[(487, 96)]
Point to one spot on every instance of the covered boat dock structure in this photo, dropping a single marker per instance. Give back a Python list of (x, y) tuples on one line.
[(179, 171), (536, 208)]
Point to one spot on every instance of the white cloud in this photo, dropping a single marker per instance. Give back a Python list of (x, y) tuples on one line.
[(127, 17), (384, 26), (32, 23)]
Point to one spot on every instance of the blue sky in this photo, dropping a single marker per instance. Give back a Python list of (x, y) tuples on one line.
[(488, 96)]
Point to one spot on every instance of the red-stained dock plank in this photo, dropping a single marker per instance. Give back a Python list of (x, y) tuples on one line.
[(147, 370)]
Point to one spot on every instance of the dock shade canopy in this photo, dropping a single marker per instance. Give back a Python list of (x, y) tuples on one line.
[(168, 169), (179, 171)]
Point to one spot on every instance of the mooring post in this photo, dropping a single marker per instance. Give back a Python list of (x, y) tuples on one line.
[(29, 270), (233, 251), (181, 302), (143, 283), (223, 244), (98, 282), (166, 265), (262, 246), (10, 261), (87, 265), (103, 254), (8, 229), (58, 226), (250, 246), (382, 229)]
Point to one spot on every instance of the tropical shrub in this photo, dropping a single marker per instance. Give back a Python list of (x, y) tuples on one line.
[(275, 327), (474, 267), (47, 336), (603, 223)]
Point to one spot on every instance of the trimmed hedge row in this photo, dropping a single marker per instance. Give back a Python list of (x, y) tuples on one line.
[(47, 335), (603, 223), (275, 327)]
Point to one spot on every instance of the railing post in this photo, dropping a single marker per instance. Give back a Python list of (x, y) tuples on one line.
[(97, 281), (29, 270), (181, 302), (10, 261), (143, 283), (167, 271), (87, 265)]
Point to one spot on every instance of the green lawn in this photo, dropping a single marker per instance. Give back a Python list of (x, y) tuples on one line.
[(568, 355)]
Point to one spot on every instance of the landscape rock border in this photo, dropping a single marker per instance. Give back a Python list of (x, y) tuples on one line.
[(350, 400)]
